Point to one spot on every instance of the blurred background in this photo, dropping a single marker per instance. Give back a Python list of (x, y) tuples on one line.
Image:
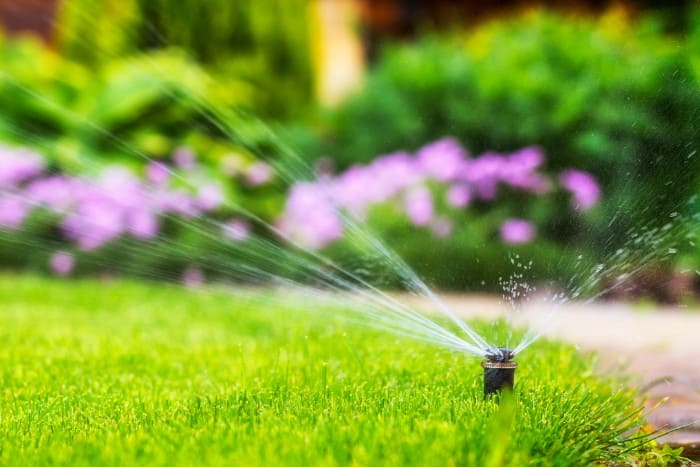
[(465, 133)]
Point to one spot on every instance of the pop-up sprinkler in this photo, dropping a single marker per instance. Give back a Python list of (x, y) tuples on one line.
[(499, 371)]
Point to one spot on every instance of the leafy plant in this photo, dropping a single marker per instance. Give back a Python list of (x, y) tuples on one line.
[(266, 44), (454, 204), (128, 110), (618, 99)]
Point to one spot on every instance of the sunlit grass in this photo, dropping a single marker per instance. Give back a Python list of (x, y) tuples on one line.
[(124, 373)]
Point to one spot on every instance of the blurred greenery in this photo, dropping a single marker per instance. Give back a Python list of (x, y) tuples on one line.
[(473, 257), (130, 110), (615, 97), (263, 43), (131, 81), (135, 79)]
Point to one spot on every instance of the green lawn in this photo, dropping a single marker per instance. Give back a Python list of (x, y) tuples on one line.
[(123, 373)]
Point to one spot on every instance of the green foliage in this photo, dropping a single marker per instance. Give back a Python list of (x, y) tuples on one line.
[(120, 373), (617, 99), (127, 110), (265, 43), (472, 257)]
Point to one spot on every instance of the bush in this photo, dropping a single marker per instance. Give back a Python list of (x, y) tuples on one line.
[(142, 115), (618, 100), (152, 225), (264, 43), (128, 110), (119, 221), (438, 207)]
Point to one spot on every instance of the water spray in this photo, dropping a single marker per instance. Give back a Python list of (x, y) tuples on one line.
[(499, 371)]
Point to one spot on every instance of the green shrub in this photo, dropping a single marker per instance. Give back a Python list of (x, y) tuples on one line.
[(473, 257), (264, 43), (617, 99), (127, 109)]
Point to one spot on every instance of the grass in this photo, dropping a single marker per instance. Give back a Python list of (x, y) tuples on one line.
[(123, 374)]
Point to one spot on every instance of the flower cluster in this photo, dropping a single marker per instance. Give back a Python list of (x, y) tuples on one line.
[(91, 212), (313, 212)]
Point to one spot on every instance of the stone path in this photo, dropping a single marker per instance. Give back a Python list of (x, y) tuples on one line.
[(659, 348)]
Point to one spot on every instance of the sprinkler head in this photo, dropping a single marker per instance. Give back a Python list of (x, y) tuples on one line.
[(499, 371), (500, 354)]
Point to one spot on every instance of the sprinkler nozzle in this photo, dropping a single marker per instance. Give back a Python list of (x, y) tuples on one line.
[(499, 371)]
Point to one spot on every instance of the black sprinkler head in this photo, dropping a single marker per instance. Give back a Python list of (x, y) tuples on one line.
[(499, 371), (500, 354)]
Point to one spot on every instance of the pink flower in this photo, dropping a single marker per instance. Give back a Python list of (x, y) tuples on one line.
[(158, 173), (192, 277), (178, 202), (18, 165), (320, 229), (237, 229), (313, 212), (142, 224), (351, 190), (62, 263), (442, 160), (13, 211), (527, 159), (583, 187), (459, 196), (517, 231), (441, 227), (209, 197), (310, 216), (56, 192), (259, 174), (519, 171), (419, 205), (388, 175), (484, 174), (184, 158)]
